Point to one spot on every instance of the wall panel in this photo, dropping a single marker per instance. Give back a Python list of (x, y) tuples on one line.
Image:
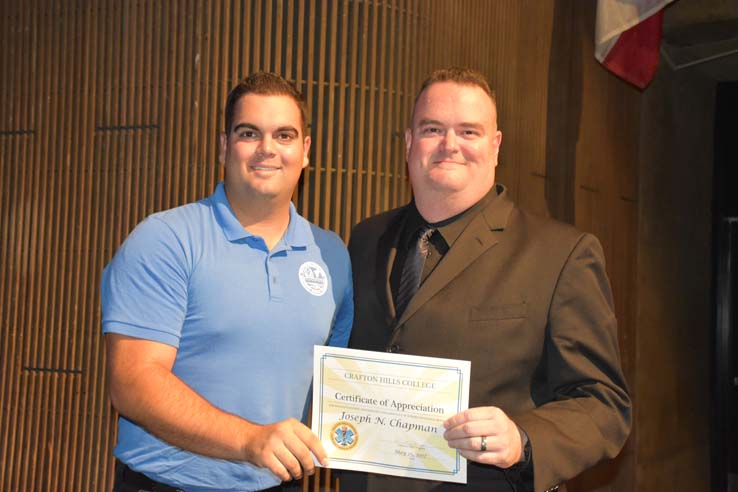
[(110, 111)]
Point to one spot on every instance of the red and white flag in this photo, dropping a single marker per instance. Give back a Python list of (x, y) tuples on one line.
[(628, 36)]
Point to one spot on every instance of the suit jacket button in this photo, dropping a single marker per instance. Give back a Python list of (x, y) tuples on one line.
[(393, 349)]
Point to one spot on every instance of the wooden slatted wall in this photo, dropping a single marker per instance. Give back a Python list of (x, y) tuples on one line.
[(110, 111)]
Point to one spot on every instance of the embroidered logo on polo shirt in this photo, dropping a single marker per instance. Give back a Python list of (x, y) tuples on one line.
[(313, 278)]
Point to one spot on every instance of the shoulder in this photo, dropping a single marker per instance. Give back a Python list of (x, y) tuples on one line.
[(546, 229), (559, 243), (186, 217), (327, 240), (172, 234), (503, 214), (375, 225), (186, 225)]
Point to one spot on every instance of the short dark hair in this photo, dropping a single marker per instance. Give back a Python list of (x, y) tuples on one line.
[(459, 75), (265, 84)]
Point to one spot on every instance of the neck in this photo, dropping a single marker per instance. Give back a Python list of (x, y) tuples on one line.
[(435, 208), (267, 217)]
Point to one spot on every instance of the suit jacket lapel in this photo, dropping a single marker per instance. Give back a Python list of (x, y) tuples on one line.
[(482, 233)]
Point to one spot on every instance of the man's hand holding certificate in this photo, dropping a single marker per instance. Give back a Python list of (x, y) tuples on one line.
[(384, 413)]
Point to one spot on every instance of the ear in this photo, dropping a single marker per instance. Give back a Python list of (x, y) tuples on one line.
[(306, 152), (497, 142), (223, 147), (408, 142)]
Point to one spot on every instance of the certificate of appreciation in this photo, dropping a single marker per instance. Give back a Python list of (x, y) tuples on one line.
[(383, 413)]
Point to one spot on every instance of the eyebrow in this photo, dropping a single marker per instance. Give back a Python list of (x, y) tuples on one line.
[(476, 126), (426, 122), (288, 129), (244, 126), (249, 126)]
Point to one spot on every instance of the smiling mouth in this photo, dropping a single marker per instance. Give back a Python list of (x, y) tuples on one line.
[(264, 168), (446, 161)]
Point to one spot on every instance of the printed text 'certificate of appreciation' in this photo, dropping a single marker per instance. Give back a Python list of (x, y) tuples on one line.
[(383, 413)]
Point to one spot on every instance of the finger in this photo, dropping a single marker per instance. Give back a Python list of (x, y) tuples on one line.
[(477, 428), (470, 415), (484, 457), (498, 458), (301, 453), (275, 466), (289, 462), (468, 443), (313, 444)]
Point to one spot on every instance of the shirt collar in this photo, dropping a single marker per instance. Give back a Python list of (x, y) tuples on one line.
[(451, 228), (298, 233)]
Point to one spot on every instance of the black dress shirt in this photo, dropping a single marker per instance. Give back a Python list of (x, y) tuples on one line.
[(446, 234)]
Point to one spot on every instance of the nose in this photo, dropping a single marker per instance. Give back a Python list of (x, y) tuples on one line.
[(266, 145), (450, 143)]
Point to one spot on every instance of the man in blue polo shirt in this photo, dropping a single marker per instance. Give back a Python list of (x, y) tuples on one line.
[(211, 311)]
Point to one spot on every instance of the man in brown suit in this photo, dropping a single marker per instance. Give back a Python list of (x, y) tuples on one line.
[(525, 299)]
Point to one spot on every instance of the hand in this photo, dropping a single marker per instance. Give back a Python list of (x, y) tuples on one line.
[(464, 431), (285, 448)]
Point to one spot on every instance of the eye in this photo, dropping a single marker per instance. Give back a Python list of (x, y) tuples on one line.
[(248, 134), (430, 130), (285, 136), (469, 133)]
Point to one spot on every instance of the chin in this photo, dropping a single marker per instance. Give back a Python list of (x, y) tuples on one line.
[(446, 185), (261, 191), (267, 193)]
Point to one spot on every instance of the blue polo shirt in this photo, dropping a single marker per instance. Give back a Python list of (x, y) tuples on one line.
[(244, 320)]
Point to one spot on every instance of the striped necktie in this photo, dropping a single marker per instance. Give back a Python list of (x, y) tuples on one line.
[(412, 270)]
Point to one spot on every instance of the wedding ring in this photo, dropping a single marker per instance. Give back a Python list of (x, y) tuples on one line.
[(484, 443)]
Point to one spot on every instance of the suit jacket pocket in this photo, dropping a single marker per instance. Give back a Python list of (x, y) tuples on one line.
[(501, 311)]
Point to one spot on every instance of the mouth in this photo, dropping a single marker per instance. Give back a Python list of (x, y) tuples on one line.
[(441, 162), (264, 168)]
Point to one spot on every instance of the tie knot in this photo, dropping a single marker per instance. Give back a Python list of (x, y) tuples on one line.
[(424, 234)]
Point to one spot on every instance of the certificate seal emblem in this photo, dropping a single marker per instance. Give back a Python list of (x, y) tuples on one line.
[(344, 435), (313, 278)]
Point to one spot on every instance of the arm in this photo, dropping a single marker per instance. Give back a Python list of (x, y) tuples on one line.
[(144, 389), (144, 300), (582, 412), (341, 330)]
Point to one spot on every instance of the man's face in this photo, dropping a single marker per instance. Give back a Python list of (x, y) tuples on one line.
[(452, 145), (265, 150)]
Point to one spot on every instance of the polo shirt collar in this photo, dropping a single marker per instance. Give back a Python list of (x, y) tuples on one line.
[(298, 233)]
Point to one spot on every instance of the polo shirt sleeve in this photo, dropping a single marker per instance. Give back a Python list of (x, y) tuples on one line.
[(144, 288), (341, 330)]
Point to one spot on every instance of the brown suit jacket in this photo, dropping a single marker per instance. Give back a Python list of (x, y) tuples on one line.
[(527, 301)]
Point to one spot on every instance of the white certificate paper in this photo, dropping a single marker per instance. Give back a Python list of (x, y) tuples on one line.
[(383, 413)]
